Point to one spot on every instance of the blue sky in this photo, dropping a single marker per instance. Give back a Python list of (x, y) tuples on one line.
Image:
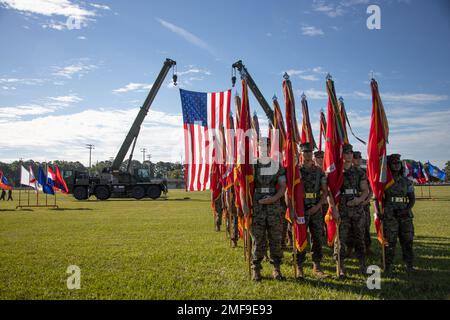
[(61, 88)]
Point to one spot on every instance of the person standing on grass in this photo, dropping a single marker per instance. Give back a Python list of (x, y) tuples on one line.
[(397, 219), (366, 205), (3, 195), (10, 195), (316, 192), (351, 212), (267, 212)]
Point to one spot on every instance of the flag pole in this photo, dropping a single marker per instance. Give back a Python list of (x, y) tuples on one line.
[(338, 251)]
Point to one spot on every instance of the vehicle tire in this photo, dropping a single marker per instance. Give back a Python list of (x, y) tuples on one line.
[(102, 193), (154, 192), (80, 193), (138, 192)]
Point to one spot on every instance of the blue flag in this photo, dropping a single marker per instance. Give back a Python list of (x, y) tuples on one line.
[(43, 181), (436, 172)]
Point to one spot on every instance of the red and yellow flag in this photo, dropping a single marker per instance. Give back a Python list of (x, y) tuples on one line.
[(333, 158), (243, 165), (323, 128), (279, 127), (378, 173), (307, 135), (294, 183)]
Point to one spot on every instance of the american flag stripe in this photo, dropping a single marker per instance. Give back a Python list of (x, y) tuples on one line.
[(212, 109)]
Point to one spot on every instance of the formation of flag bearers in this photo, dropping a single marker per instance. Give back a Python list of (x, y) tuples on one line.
[(340, 204)]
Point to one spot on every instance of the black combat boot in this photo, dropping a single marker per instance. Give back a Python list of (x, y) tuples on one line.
[(362, 266), (217, 227), (409, 268), (387, 270), (256, 275), (233, 243), (277, 273)]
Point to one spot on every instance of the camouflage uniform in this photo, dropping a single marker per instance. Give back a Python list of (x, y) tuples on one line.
[(352, 218), (398, 220), (234, 232), (367, 222), (267, 219), (218, 211), (367, 239), (313, 179)]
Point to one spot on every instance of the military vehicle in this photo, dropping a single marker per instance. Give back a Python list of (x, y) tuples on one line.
[(116, 183)]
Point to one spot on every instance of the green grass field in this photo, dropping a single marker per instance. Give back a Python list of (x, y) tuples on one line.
[(167, 249)]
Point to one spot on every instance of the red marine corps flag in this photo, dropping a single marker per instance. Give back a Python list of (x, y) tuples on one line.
[(333, 158), (307, 135), (294, 183), (378, 173), (323, 128), (244, 168)]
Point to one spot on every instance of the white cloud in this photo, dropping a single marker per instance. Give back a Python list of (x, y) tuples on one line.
[(314, 94), (49, 105), (67, 99), (16, 81), (64, 8), (81, 38), (195, 71), (188, 36), (134, 87), (161, 134), (312, 74), (309, 77), (312, 31), (80, 68), (8, 113), (330, 9), (100, 6), (410, 98)]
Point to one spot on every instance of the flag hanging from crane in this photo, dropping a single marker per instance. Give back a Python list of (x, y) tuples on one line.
[(307, 135), (295, 188), (203, 114), (333, 158), (378, 173)]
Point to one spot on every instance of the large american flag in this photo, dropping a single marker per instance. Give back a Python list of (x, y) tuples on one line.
[(203, 114)]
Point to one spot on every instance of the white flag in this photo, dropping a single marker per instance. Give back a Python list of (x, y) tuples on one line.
[(27, 178)]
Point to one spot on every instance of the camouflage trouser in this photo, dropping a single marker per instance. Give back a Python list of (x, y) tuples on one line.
[(266, 225), (324, 213), (218, 210), (234, 232), (352, 226), (367, 239), (402, 228), (315, 225)]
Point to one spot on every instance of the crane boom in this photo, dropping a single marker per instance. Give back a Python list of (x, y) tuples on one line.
[(256, 92), (132, 135)]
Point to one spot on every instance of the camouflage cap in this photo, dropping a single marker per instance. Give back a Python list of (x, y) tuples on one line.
[(306, 147), (318, 154), (393, 157), (347, 148), (356, 155)]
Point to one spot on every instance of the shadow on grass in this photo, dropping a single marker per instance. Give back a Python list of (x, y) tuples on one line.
[(6, 210)]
